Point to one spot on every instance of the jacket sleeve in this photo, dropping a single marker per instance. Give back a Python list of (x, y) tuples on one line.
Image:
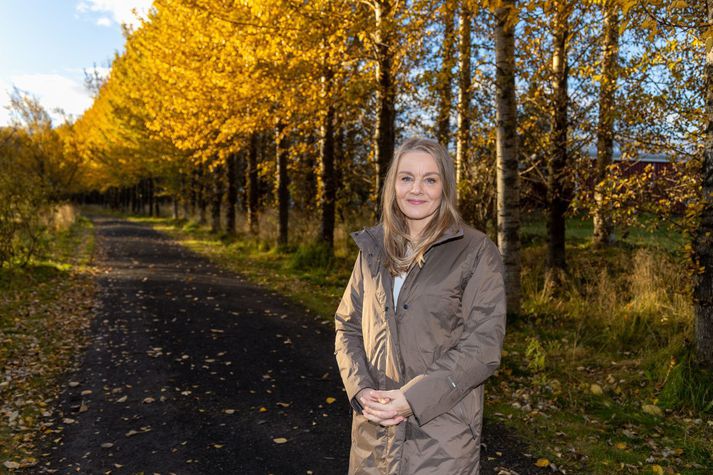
[(476, 355), (349, 343)]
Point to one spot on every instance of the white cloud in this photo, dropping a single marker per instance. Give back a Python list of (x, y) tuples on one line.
[(54, 91), (120, 11), (104, 21)]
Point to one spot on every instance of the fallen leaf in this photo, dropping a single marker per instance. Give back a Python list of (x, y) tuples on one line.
[(330, 400), (279, 440), (122, 399), (149, 400), (229, 411), (262, 409), (620, 445), (283, 404), (652, 410), (596, 389), (542, 463), (107, 445), (11, 465), (657, 469)]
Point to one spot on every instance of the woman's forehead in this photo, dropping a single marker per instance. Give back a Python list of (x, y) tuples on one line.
[(417, 161)]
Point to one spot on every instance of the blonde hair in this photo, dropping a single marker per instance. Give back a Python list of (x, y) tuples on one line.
[(396, 236)]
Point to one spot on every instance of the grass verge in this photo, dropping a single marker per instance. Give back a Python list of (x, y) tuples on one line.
[(44, 311)]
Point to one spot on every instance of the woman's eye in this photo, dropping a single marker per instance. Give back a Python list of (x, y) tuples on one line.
[(431, 181), (405, 178)]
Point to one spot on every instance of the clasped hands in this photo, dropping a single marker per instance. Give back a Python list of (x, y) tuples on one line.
[(387, 408)]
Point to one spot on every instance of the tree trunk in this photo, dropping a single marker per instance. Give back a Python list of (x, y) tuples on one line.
[(464, 81), (385, 131), (339, 163), (194, 191), (201, 195), (252, 184), (327, 196), (135, 199), (216, 198), (283, 192), (185, 196), (232, 193), (156, 198), (150, 195), (703, 239), (557, 201), (243, 181), (603, 229), (508, 177), (443, 86)]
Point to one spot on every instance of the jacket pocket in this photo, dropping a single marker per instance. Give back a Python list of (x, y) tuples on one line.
[(460, 413)]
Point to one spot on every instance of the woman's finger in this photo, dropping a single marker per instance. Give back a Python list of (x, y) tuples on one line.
[(381, 415), (393, 421), (371, 417)]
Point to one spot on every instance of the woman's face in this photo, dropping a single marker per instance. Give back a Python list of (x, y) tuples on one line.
[(419, 189)]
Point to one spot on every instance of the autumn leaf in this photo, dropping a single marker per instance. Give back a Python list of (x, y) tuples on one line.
[(330, 400), (657, 469), (542, 462), (279, 440), (652, 410)]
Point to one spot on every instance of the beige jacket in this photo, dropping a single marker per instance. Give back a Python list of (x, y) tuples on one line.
[(439, 342)]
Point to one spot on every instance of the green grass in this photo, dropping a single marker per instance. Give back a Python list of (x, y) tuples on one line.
[(622, 322), (579, 231), (44, 310)]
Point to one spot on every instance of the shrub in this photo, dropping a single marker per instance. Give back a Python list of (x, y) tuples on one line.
[(312, 256)]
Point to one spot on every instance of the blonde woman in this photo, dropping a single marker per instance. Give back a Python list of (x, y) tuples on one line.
[(421, 325)]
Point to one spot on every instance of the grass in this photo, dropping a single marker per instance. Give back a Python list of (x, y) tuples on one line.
[(44, 310), (599, 376)]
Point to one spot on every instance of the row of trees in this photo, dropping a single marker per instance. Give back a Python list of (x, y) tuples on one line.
[(37, 169), (241, 105)]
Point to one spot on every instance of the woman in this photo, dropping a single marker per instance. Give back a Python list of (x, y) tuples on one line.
[(421, 325)]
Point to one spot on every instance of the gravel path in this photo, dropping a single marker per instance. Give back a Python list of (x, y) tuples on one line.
[(192, 370)]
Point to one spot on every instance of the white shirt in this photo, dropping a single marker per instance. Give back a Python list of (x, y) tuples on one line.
[(398, 282)]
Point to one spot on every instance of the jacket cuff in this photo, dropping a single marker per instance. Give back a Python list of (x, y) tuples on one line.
[(356, 405), (420, 391)]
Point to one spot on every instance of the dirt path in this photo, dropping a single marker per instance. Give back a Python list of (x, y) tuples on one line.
[(192, 370)]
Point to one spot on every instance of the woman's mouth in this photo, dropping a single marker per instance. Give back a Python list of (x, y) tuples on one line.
[(416, 202)]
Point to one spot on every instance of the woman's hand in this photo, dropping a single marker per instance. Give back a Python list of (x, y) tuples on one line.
[(387, 408)]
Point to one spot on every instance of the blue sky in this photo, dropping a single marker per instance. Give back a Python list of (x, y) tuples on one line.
[(45, 45)]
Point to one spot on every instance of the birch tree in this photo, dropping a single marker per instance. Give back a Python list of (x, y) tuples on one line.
[(508, 178)]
